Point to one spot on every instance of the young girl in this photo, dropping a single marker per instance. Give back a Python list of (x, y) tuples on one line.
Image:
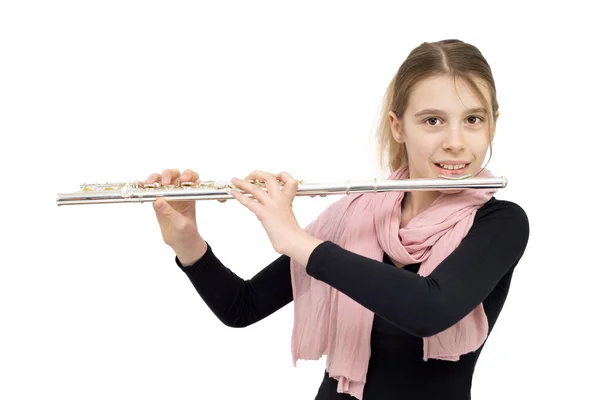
[(398, 289)]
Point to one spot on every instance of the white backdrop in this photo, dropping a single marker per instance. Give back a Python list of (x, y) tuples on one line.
[(92, 304)]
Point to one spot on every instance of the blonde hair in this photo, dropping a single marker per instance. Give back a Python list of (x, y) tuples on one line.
[(446, 57)]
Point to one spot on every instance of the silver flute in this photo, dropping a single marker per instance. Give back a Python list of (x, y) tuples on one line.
[(140, 192)]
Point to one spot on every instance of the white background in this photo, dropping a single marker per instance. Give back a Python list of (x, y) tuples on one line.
[(92, 304)]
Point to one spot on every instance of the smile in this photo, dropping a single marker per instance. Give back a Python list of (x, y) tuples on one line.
[(452, 169)]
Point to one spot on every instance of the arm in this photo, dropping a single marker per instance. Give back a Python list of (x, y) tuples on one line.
[(425, 306), (235, 301)]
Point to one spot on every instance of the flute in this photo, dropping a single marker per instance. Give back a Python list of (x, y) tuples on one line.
[(139, 192)]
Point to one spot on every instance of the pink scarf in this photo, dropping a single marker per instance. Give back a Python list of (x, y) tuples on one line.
[(327, 322)]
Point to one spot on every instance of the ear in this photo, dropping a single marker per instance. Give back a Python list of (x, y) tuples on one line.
[(396, 127)]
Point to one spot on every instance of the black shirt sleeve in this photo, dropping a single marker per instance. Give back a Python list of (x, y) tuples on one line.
[(425, 306), (421, 306), (235, 301)]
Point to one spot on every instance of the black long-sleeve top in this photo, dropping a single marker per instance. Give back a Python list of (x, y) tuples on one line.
[(407, 306)]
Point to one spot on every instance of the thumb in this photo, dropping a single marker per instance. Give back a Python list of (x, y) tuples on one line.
[(162, 207)]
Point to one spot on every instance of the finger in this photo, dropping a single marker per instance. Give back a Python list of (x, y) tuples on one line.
[(170, 175), (246, 201), (189, 175), (271, 182), (290, 184), (250, 188), (165, 209), (153, 178)]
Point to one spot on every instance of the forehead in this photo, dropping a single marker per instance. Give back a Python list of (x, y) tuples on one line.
[(441, 92)]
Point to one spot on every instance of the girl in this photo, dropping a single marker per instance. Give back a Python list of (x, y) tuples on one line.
[(399, 290)]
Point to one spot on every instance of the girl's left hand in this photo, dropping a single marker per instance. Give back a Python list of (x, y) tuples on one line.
[(272, 207)]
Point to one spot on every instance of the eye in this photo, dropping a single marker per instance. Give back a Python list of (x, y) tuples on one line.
[(469, 118), (431, 119), (474, 116)]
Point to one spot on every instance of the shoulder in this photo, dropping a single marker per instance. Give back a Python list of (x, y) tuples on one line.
[(503, 217), (501, 209)]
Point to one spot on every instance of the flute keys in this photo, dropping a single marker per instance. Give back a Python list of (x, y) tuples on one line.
[(258, 183), (127, 191), (206, 184)]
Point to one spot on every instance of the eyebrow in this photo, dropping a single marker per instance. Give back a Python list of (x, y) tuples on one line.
[(440, 112)]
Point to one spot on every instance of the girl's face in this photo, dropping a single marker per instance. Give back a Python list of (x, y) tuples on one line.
[(443, 128)]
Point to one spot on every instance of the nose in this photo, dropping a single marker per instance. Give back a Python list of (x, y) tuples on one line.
[(454, 140)]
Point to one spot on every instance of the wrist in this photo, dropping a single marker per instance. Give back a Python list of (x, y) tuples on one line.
[(190, 254), (301, 245), (292, 240)]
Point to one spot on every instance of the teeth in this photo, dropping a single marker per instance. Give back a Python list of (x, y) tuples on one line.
[(451, 167)]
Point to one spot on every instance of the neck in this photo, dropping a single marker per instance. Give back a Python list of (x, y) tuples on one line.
[(415, 203)]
